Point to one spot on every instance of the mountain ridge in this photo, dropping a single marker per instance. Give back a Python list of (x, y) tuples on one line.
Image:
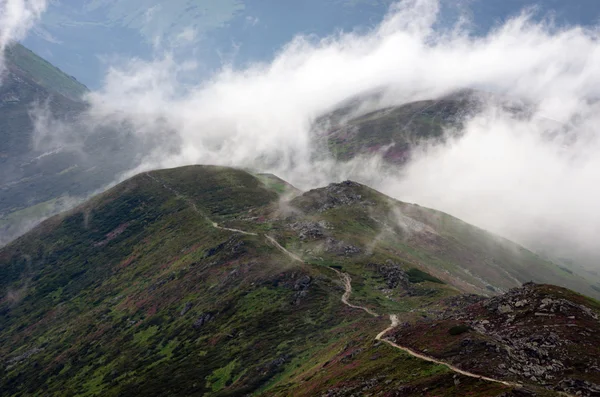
[(118, 295)]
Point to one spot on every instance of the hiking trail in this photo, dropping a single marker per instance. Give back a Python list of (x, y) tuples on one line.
[(347, 281)]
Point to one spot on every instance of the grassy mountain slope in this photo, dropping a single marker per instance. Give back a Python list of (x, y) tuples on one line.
[(36, 69), (177, 282)]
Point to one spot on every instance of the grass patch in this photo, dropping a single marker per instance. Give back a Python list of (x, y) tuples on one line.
[(218, 380), (416, 276)]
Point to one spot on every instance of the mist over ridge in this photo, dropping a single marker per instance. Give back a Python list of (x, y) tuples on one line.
[(527, 178)]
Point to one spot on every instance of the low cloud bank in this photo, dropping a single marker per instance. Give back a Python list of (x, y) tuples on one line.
[(534, 178)]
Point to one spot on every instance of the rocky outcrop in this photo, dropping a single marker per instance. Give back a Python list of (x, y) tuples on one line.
[(310, 230), (341, 248), (301, 287), (335, 195), (393, 275), (536, 334), (186, 308), (233, 246)]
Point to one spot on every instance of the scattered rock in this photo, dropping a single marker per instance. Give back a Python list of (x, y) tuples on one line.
[(203, 320), (310, 230), (301, 286), (340, 247), (15, 360), (186, 308), (579, 387)]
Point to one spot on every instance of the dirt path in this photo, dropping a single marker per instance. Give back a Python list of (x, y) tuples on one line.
[(282, 249), (348, 291), (395, 322)]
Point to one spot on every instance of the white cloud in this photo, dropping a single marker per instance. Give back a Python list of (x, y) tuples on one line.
[(504, 173), (187, 36), (16, 18), (252, 21)]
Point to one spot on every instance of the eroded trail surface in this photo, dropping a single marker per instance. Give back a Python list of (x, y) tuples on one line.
[(282, 249), (348, 291)]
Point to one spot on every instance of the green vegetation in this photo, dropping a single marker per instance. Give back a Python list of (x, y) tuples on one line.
[(44, 73), (221, 377), (137, 292), (418, 276), (402, 126)]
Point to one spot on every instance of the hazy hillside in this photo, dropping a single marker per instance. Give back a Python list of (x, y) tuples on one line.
[(49, 153), (213, 281)]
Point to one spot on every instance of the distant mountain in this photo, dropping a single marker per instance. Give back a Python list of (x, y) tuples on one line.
[(363, 126), (38, 172), (213, 281)]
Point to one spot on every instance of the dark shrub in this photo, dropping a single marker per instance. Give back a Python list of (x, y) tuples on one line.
[(418, 276), (459, 329)]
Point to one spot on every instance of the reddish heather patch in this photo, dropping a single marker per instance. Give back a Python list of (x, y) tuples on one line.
[(62, 357), (152, 310), (141, 303), (127, 262), (127, 304), (112, 235), (170, 263), (96, 334), (215, 339)]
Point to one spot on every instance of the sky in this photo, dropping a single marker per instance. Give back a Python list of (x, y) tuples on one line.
[(534, 179)]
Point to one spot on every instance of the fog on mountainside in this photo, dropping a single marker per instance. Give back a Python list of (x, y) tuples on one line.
[(531, 178)]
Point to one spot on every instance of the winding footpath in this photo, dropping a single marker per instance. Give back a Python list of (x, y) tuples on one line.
[(345, 277), (347, 281), (394, 323)]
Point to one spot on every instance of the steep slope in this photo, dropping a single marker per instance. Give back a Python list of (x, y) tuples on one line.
[(29, 79), (411, 236), (36, 71), (208, 281)]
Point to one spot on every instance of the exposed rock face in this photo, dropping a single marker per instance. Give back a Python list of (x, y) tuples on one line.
[(203, 320), (341, 248), (393, 275), (335, 195), (23, 357), (301, 287), (186, 308), (233, 246), (536, 334), (310, 230)]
